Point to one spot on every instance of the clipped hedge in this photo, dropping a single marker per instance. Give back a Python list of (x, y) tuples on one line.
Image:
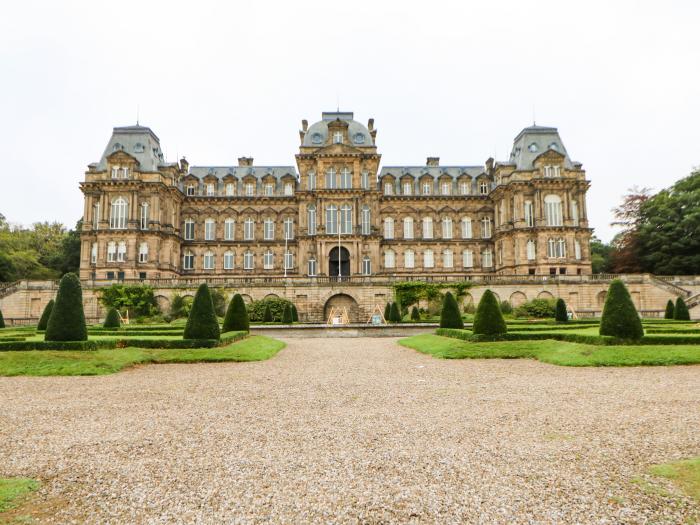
[(560, 312), (202, 322), (415, 314), (112, 320), (2, 320), (488, 319), (236, 315), (620, 318), (67, 320), (450, 316), (46, 314), (48, 345), (670, 309), (394, 314), (287, 315), (267, 316), (295, 314), (680, 311)]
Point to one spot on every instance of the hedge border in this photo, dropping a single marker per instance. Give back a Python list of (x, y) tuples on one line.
[(598, 340), (110, 344)]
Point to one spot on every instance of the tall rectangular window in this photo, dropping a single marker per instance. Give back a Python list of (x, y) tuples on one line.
[(189, 230), (408, 228), (388, 228), (144, 216), (428, 259), (529, 214), (577, 250), (486, 228), (332, 220), (409, 259), (530, 247), (447, 260), (312, 180), (249, 189), (230, 189), (228, 260), (268, 230), (288, 260), (111, 251), (468, 259), (93, 253), (209, 230), (427, 227), (389, 188), (366, 224), (466, 228), (407, 187), (446, 228), (312, 267), (188, 261), (464, 187), (269, 190), (211, 189), (143, 252), (96, 216), (312, 220), (189, 191), (121, 251), (346, 219), (345, 179), (229, 229), (330, 179), (487, 259), (365, 180), (118, 214), (268, 260), (289, 229), (446, 188), (427, 188), (366, 266), (248, 230), (574, 213), (288, 189), (248, 261)]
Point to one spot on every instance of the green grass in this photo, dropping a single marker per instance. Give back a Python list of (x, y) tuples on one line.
[(556, 352), (12, 490), (100, 362), (686, 474)]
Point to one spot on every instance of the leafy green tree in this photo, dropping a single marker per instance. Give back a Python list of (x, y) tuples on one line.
[(680, 312), (488, 319), (67, 320), (267, 316), (112, 319), (295, 314), (236, 316), (44, 319), (394, 314), (415, 314), (506, 307), (180, 306), (449, 315), (600, 255), (668, 314), (202, 322), (620, 318), (219, 299), (538, 308), (256, 309), (138, 299), (561, 315)]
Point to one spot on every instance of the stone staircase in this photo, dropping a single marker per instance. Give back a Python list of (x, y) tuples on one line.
[(8, 288), (693, 301), (670, 287)]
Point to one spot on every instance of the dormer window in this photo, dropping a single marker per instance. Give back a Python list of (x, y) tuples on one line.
[(551, 171), (249, 189), (125, 173), (407, 187), (446, 188), (464, 188), (288, 189), (389, 188), (427, 188), (230, 189), (189, 191), (338, 137), (115, 172), (484, 187), (269, 189), (138, 148), (316, 138), (211, 189), (359, 138)]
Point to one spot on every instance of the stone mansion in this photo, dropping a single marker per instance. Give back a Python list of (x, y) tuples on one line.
[(335, 213)]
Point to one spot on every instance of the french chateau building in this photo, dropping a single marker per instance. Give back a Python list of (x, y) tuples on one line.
[(335, 213)]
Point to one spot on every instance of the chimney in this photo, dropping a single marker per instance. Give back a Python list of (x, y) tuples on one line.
[(304, 124), (245, 161), (184, 165), (432, 161), (489, 165), (370, 124)]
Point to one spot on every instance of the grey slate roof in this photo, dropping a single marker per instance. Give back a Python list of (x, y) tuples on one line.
[(317, 134), (139, 142), (240, 172), (433, 171), (532, 142)]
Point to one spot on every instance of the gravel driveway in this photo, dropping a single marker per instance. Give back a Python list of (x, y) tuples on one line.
[(353, 430)]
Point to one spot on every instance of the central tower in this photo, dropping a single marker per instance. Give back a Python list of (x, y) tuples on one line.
[(338, 196)]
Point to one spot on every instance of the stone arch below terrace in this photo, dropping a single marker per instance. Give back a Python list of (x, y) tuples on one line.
[(545, 295), (342, 300), (517, 299), (163, 303)]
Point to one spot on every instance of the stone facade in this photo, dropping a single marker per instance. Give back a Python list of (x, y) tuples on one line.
[(335, 214)]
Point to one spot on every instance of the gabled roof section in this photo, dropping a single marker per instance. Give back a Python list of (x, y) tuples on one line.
[(532, 142), (259, 172), (138, 141), (434, 171)]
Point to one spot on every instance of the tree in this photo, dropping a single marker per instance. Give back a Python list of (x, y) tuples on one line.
[(202, 322), (561, 315), (449, 315), (236, 315), (626, 250), (394, 314), (669, 313), (276, 305), (387, 312), (287, 316), (267, 316), (2, 320), (415, 314), (680, 312), (218, 297), (67, 320), (112, 319), (620, 318), (488, 319), (138, 299), (180, 306), (295, 314), (600, 255), (44, 320)]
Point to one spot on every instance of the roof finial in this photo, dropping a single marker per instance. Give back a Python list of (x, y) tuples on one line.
[(137, 114), (534, 123), (337, 102)]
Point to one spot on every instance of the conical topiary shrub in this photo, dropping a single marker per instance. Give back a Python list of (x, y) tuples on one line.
[(450, 316), (394, 314), (112, 320), (680, 311), (67, 320), (2, 320), (620, 318), (44, 320), (415, 314), (560, 313), (387, 312), (202, 322), (295, 314), (287, 317), (488, 319), (236, 315), (670, 309), (267, 315)]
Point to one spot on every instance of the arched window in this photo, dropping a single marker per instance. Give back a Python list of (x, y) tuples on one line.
[(366, 223), (427, 227), (468, 259), (332, 220), (486, 228), (289, 229), (229, 258), (466, 228), (408, 227), (447, 259), (208, 260), (144, 216), (229, 229), (446, 228), (143, 252), (345, 179), (268, 229), (209, 230), (409, 259), (388, 228), (330, 179), (189, 230), (311, 211), (268, 258), (389, 259), (366, 265), (428, 259), (118, 214), (249, 230), (552, 210), (346, 219), (248, 261), (531, 250), (188, 260)]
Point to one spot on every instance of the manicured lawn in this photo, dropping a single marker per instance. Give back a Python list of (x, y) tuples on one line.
[(686, 474), (100, 362), (13, 489), (556, 352)]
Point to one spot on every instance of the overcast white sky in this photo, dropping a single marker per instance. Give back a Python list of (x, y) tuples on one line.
[(458, 80)]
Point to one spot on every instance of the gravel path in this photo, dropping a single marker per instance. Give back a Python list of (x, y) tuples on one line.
[(353, 430)]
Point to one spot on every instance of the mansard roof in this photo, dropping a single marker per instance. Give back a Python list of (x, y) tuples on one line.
[(138, 141), (433, 171), (532, 142), (240, 172), (358, 134)]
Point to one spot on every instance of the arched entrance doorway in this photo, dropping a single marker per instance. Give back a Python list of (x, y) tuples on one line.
[(339, 258), (345, 301)]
